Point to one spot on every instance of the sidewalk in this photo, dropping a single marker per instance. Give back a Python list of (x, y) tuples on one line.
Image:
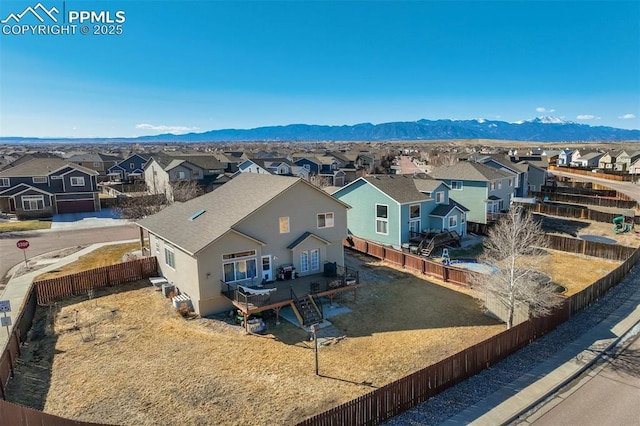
[(514, 399), (18, 287)]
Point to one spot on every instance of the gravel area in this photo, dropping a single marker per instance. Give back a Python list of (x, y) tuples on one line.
[(457, 398)]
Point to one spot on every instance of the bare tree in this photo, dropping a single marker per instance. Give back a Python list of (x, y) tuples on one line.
[(185, 190), (139, 207), (319, 181), (514, 247)]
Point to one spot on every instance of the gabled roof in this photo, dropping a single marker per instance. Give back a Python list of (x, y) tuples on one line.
[(303, 237), (42, 167), (95, 157), (221, 210), (591, 156), (401, 188), (466, 170), (23, 187), (426, 184), (442, 210)]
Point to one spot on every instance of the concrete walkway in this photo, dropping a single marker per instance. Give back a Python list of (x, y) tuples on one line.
[(18, 287)]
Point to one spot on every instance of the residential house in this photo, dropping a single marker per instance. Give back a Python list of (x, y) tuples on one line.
[(588, 160), (275, 166), (519, 172), (99, 162), (624, 160), (43, 187), (608, 160), (565, 157), (162, 171), (392, 209), (536, 176), (241, 233), (129, 169), (484, 190)]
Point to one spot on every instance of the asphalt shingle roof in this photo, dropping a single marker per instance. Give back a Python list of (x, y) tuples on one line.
[(467, 170), (223, 208), (41, 167), (399, 187)]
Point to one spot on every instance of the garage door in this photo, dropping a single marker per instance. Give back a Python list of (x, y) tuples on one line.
[(77, 206)]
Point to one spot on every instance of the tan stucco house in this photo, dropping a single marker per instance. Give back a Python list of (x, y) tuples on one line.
[(242, 233)]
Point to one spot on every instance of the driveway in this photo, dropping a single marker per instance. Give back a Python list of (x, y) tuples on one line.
[(101, 219)]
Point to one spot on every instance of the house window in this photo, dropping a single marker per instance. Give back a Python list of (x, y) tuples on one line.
[(181, 175), (307, 166), (5, 183), (414, 211), (382, 219), (196, 173), (40, 179), (96, 164), (242, 266), (499, 185), (169, 257), (284, 225), (315, 260), (439, 197), (510, 182), (32, 202), (463, 217), (325, 220), (132, 166), (304, 261), (453, 221), (456, 185), (77, 181), (157, 246)]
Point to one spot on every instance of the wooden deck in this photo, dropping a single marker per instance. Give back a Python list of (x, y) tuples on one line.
[(318, 285)]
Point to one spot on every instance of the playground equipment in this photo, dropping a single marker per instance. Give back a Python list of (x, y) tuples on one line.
[(619, 226)]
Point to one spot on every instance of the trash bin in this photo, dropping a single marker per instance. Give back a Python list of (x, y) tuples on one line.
[(330, 269)]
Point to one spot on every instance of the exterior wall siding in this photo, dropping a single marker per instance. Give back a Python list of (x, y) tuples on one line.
[(472, 196)]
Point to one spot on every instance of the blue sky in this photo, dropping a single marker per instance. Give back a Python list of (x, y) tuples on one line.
[(183, 66)]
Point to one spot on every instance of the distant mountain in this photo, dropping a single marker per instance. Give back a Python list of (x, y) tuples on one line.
[(541, 129)]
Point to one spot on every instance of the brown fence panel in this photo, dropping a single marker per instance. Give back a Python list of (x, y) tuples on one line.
[(69, 285), (459, 276), (17, 415), (413, 262), (375, 250), (585, 199), (394, 256)]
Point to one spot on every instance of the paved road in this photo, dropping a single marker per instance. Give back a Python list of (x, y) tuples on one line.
[(607, 395), (43, 242), (629, 188), (408, 167)]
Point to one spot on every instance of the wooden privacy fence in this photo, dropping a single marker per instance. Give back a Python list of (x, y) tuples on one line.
[(590, 248), (447, 273), (409, 391), (609, 176), (54, 289), (574, 212), (585, 199)]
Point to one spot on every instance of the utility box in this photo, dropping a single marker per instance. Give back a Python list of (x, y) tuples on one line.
[(167, 289), (330, 269)]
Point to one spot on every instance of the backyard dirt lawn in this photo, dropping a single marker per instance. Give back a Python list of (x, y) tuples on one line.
[(128, 358)]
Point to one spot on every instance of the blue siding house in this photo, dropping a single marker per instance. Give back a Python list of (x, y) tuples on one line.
[(129, 169), (393, 209), (43, 187)]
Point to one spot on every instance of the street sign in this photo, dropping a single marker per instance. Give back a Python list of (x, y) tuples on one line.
[(22, 244), (5, 306), (5, 321)]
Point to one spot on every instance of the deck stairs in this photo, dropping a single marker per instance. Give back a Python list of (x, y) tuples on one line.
[(445, 238), (306, 309)]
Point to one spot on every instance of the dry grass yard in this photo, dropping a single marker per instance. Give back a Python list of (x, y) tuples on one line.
[(104, 256), (24, 225), (128, 358)]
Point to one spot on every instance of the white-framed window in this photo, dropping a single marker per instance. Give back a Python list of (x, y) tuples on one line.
[(304, 261), (463, 217), (510, 182), (157, 246), (414, 211), (181, 175), (96, 164), (132, 166), (325, 220), (453, 221), (315, 259), (32, 202), (492, 186), (382, 219), (307, 166), (169, 256), (499, 185), (283, 223), (39, 179), (77, 181), (439, 197), (456, 185), (239, 266), (5, 182)]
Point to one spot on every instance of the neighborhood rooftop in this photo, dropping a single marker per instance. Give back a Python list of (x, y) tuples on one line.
[(467, 170), (399, 187), (223, 208), (41, 167)]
